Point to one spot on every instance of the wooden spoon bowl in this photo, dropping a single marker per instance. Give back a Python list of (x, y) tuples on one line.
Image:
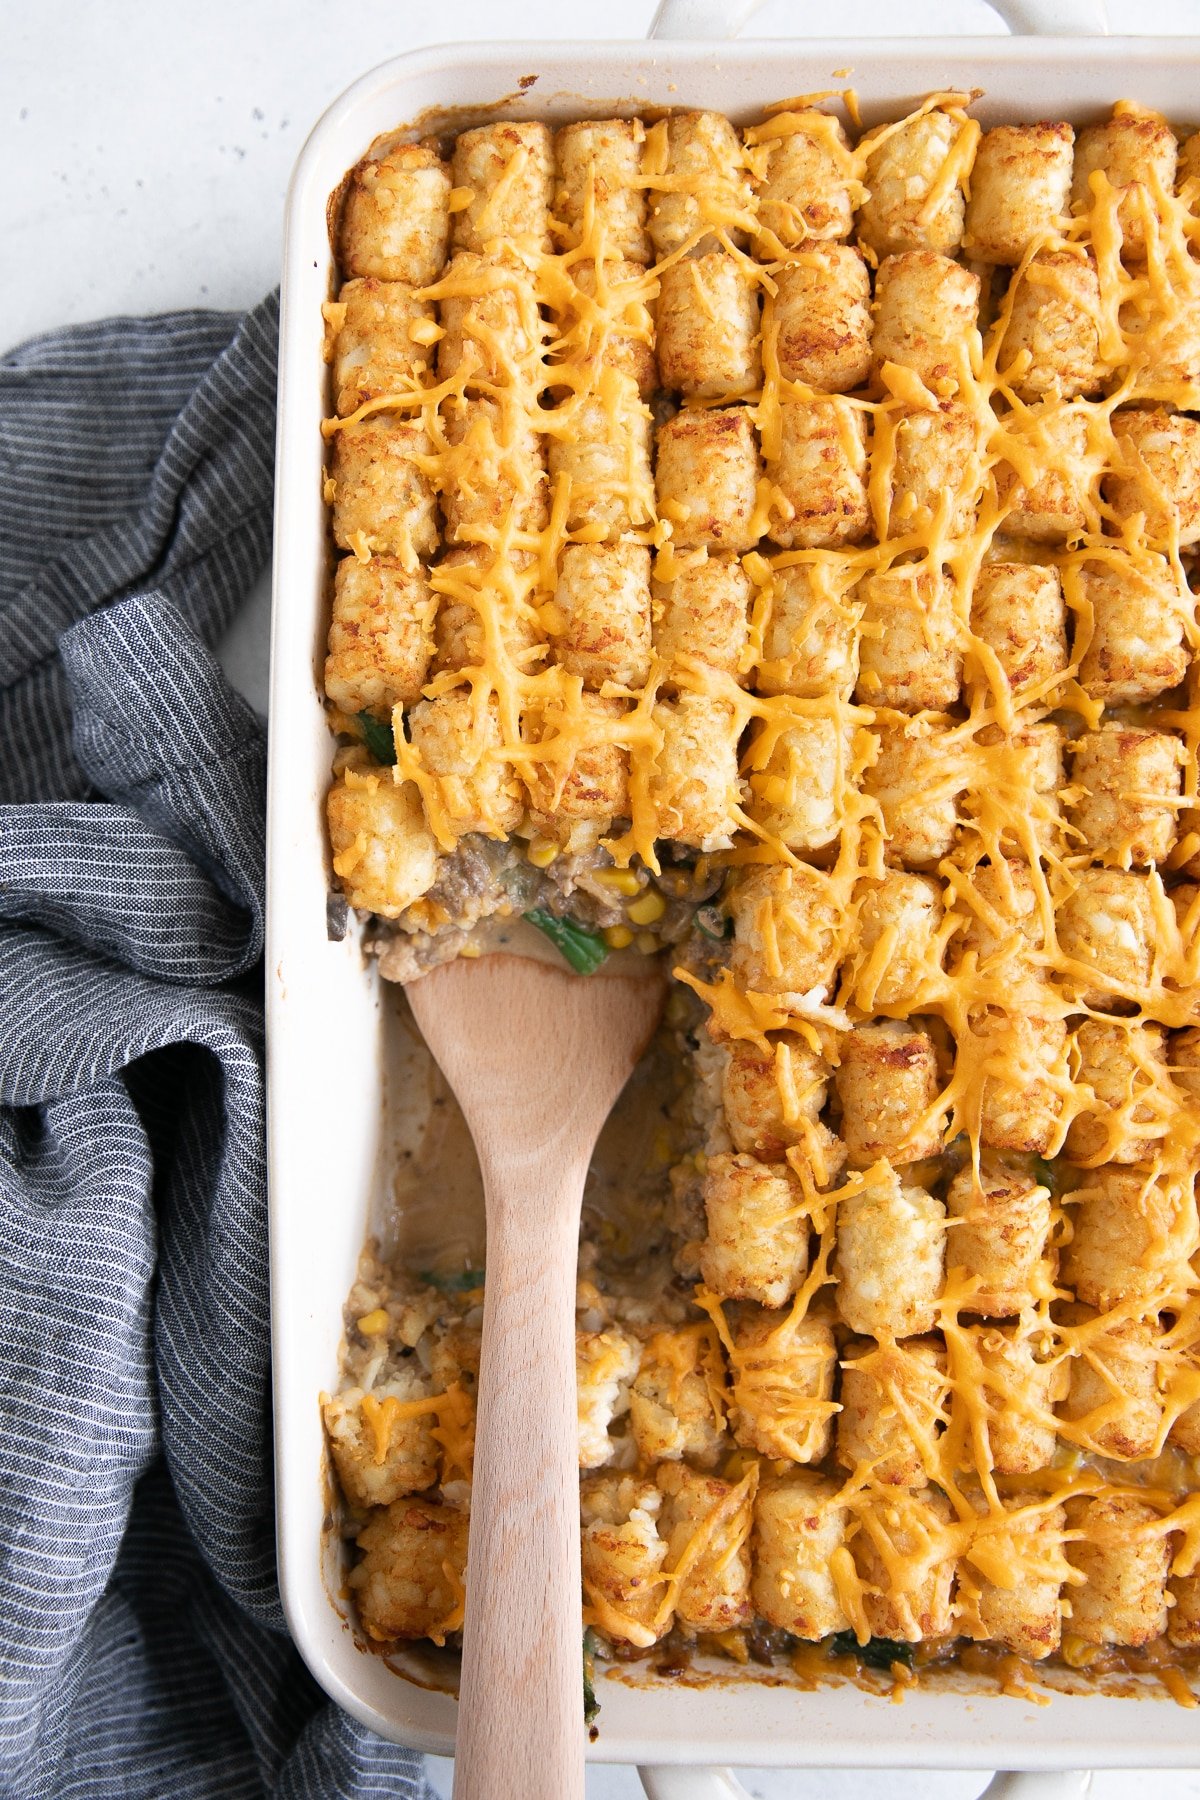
[(536, 1058)]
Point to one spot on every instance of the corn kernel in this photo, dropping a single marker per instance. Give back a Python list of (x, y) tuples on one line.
[(469, 950), (1077, 1652), (618, 937), (552, 618), (646, 942), (425, 331), (542, 852), (649, 909), (621, 881), (733, 1643), (459, 198), (373, 1324)]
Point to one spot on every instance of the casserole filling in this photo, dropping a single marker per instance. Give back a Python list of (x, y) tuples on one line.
[(776, 547)]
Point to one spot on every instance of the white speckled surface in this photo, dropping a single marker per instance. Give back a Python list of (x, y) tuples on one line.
[(146, 151)]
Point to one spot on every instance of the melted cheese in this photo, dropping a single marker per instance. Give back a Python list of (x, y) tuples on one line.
[(571, 380)]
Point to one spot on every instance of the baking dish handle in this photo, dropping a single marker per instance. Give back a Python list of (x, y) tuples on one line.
[(722, 1784), (1032, 18)]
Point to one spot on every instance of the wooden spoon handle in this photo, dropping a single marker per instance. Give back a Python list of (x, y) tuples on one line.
[(520, 1716)]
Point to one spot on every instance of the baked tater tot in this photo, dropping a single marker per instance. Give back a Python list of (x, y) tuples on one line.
[(619, 321), (694, 786), (1017, 610), (622, 1556), (382, 502), (918, 779), (798, 1526), (708, 327), (906, 1563), (382, 1446), (1107, 924), (910, 657), (1189, 161), (1183, 1621), (1137, 152), (926, 310), (1113, 1399), (1061, 499), (1004, 924), (784, 931), (896, 946), (1018, 1070), (1020, 189), (490, 323), (380, 635), (1023, 768), (469, 585), (887, 1083), (798, 796), (1157, 474), (577, 802), (783, 1375), (706, 180), (1022, 1383), (772, 1099), (1051, 343), (937, 471), (893, 1408), (810, 642), (891, 1255), (1163, 348), (821, 474), (1119, 1062), (1002, 1236), (1136, 647), (374, 352), (508, 169), (808, 191), (902, 210), (603, 597), (1133, 1235), (714, 1595), (460, 748), (1185, 1061), (600, 166), (604, 452), (821, 313), (1022, 1611), (676, 1404), (757, 1243), (494, 475), (707, 476), (1128, 782), (1123, 1599), (396, 218), (605, 1364), (702, 613), (409, 1583), (384, 854)]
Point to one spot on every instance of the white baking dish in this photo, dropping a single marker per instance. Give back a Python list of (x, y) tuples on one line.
[(331, 1144)]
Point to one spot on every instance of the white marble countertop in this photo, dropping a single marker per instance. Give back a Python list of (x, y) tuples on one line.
[(147, 149)]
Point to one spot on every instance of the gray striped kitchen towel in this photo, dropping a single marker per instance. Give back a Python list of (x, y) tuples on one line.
[(142, 1645)]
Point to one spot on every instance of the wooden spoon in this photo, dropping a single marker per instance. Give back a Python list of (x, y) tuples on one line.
[(536, 1058)]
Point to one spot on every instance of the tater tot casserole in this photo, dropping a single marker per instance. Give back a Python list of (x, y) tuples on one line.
[(773, 549)]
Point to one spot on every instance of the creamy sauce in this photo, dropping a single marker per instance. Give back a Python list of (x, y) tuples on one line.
[(433, 1214)]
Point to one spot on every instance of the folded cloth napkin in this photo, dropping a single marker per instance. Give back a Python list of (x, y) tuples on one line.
[(143, 1650)]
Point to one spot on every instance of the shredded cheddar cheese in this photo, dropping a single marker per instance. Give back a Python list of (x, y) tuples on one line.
[(951, 585)]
